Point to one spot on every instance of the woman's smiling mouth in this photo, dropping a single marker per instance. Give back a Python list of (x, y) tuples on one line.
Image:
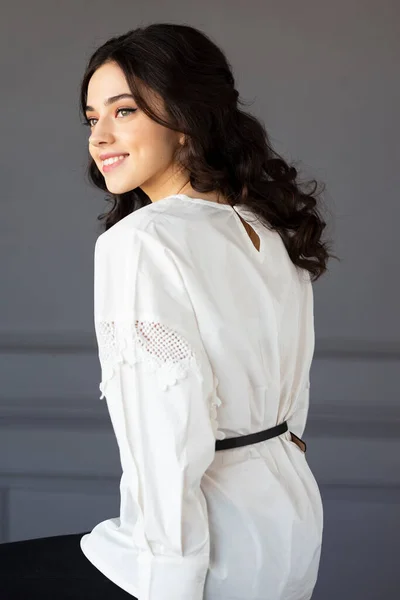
[(113, 162)]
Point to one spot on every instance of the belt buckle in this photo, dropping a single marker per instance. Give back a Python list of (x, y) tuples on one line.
[(299, 442)]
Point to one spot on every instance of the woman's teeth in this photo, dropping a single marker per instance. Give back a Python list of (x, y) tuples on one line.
[(114, 159)]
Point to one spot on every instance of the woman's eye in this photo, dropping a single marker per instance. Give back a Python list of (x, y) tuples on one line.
[(126, 110)]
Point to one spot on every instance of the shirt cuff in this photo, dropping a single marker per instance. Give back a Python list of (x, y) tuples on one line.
[(172, 578)]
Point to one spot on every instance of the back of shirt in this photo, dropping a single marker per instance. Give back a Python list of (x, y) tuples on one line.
[(254, 311), (201, 337)]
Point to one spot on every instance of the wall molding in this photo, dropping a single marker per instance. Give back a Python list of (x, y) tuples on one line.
[(39, 342), (90, 413), (92, 484)]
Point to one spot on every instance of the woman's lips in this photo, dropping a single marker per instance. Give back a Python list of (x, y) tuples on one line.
[(107, 168)]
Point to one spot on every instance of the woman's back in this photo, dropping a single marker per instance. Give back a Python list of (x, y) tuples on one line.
[(254, 312), (256, 322)]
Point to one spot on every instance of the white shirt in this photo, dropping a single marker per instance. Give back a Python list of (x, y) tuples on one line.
[(201, 336)]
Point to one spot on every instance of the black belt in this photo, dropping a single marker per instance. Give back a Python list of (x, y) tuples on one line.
[(252, 438)]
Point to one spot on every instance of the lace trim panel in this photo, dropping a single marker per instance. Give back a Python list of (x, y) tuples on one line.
[(164, 353)]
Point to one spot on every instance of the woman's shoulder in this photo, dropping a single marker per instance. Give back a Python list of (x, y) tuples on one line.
[(145, 235), (138, 224)]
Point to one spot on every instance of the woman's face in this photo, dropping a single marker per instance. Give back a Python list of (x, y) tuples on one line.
[(120, 128)]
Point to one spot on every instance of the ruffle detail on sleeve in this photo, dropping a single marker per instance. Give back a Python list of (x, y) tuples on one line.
[(165, 354), (215, 404)]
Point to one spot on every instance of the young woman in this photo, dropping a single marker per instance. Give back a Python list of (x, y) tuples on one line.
[(203, 307)]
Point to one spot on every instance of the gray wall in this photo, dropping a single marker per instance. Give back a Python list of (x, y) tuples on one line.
[(323, 78)]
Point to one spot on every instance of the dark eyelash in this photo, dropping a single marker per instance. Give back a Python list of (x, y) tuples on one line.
[(87, 123)]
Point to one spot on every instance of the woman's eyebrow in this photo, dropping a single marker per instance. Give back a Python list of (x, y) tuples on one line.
[(111, 100)]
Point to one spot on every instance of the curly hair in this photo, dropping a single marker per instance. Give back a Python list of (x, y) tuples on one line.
[(227, 150)]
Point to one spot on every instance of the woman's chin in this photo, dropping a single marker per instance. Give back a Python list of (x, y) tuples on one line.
[(118, 188)]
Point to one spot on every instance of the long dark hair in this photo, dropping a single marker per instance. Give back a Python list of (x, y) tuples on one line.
[(227, 150)]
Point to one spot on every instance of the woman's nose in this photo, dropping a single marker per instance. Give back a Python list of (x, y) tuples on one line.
[(98, 138), (102, 133)]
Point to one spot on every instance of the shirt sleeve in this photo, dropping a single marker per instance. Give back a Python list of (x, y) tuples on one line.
[(160, 390)]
